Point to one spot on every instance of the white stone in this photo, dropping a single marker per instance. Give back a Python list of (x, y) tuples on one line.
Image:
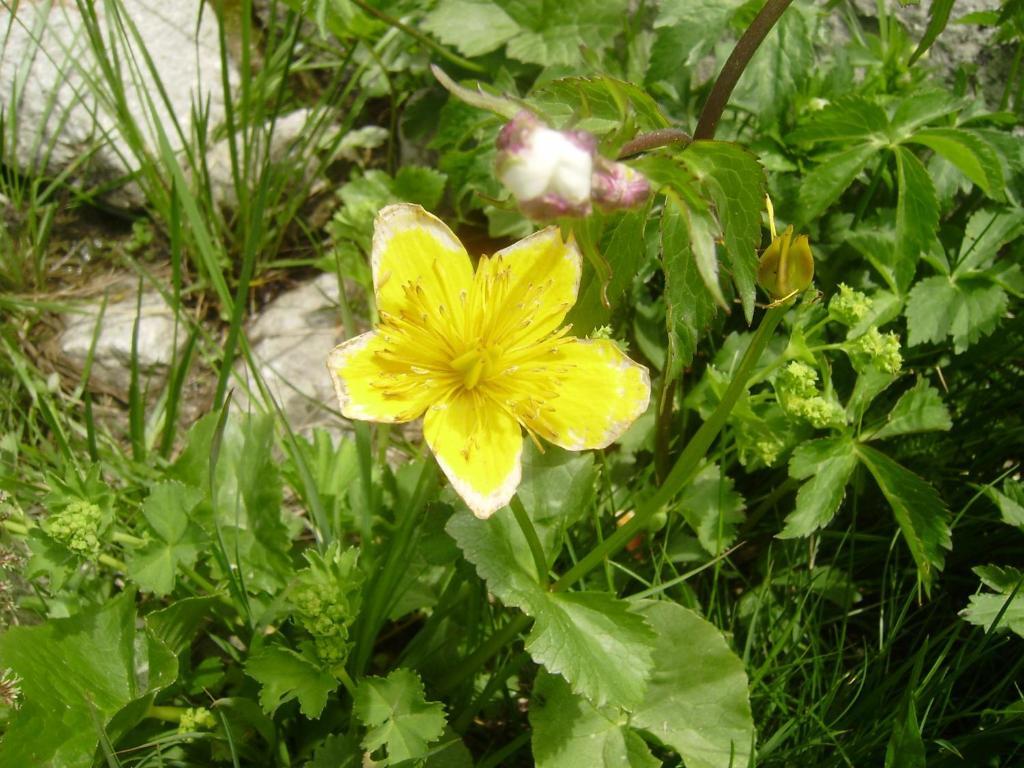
[(55, 94), (158, 343), (291, 339)]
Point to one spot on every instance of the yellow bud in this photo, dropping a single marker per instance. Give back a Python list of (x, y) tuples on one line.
[(786, 266)]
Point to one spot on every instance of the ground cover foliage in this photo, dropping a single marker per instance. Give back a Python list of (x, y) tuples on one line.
[(807, 550)]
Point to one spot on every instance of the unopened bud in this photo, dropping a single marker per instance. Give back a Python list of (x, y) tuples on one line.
[(787, 265), (547, 171), (616, 186)]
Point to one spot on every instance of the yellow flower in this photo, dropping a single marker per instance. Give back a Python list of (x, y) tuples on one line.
[(481, 354)]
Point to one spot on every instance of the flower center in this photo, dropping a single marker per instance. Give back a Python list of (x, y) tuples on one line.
[(475, 365)]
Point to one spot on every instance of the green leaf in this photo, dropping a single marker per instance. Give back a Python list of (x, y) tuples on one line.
[(284, 675), (167, 509), (570, 732), (919, 410), (690, 306), (474, 27), (553, 33), (1010, 502), (76, 675), (597, 103), (398, 716), (734, 180), (684, 30), (587, 637), (971, 154), (697, 701), (905, 748), (922, 107), (626, 241), (178, 623), (1006, 607), (988, 230), (848, 120), (713, 508), (938, 17), (830, 178), (965, 309), (557, 485), (580, 635), (828, 463), (919, 510), (917, 216)]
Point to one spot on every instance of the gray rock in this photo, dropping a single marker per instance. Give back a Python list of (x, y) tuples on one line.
[(158, 341), (291, 339), (55, 92)]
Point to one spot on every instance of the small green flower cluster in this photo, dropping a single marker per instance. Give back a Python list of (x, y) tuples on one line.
[(796, 388), (325, 600), (77, 526), (196, 719), (875, 349), (849, 306)]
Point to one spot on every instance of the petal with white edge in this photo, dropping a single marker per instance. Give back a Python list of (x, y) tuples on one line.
[(587, 394), (370, 387), (478, 445), (413, 248)]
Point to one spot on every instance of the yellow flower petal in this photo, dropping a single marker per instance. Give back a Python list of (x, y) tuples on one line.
[(541, 280), (373, 387), (585, 394), (478, 446), (412, 248)]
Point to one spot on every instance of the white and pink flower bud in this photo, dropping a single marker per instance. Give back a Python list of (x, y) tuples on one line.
[(547, 171), (553, 174), (616, 186)]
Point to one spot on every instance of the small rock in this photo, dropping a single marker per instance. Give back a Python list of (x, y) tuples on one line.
[(291, 339), (112, 359)]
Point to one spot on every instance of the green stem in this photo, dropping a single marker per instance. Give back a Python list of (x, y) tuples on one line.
[(166, 713), (18, 529), (687, 463), (113, 562), (644, 142), (540, 562), (738, 60)]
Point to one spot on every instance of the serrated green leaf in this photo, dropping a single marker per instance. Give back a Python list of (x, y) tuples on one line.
[(474, 27), (917, 216), (922, 515), (828, 463), (697, 701), (178, 540), (684, 30), (971, 154), (921, 107), (596, 643), (557, 485), (77, 674), (1007, 606), (552, 33), (966, 309), (570, 732), (398, 716), (713, 508), (852, 119), (284, 675), (918, 410), (583, 636), (1010, 502), (988, 230), (735, 183), (690, 306), (830, 178), (597, 103)]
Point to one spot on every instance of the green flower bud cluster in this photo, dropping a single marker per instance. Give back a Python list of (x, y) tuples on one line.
[(796, 388), (878, 350), (848, 306), (196, 719), (77, 526), (325, 600)]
